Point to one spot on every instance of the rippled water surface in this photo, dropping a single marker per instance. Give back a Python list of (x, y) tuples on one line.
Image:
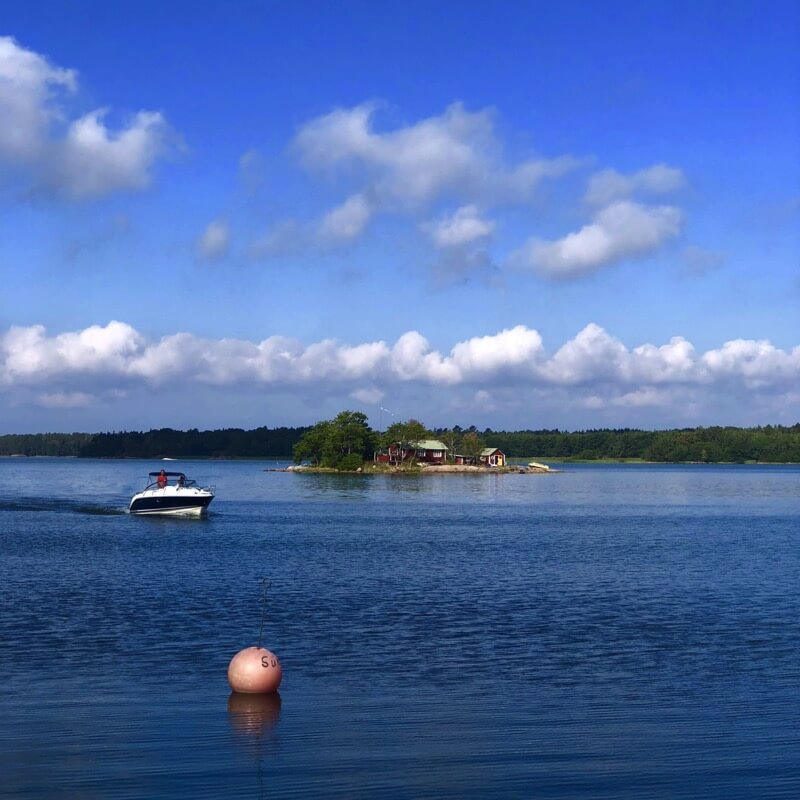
[(605, 632)]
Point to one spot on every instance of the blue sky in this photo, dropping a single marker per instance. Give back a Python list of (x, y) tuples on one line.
[(515, 215)]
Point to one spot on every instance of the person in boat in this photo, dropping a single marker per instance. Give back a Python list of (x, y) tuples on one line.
[(181, 480), (162, 479)]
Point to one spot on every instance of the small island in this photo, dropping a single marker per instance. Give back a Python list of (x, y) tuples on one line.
[(348, 444)]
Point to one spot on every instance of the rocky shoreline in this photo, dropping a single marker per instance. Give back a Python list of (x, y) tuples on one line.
[(424, 469)]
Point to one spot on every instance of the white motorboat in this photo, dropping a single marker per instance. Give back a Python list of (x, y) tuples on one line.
[(172, 493)]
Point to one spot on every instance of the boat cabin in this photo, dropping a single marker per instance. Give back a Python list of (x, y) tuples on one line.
[(162, 478)]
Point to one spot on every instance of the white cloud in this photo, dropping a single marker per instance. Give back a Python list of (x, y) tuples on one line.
[(456, 153), (592, 355), (514, 349), (594, 370), (758, 363), (461, 239), (609, 186), (621, 231), (596, 356), (413, 360), (347, 221), (215, 242), (463, 227), (27, 355), (92, 160), (28, 85), (89, 159), (674, 361)]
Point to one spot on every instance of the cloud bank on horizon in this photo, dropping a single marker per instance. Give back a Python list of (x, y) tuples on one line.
[(372, 241), (101, 364)]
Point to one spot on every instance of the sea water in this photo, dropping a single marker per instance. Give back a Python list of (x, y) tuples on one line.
[(603, 632)]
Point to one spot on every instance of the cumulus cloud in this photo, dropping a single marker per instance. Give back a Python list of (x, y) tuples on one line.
[(215, 242), (621, 231), (457, 158), (461, 239), (517, 349), (593, 377), (347, 221), (757, 362), (28, 355), (590, 356), (456, 153), (463, 227), (93, 160), (28, 86), (87, 159), (592, 370), (609, 186)]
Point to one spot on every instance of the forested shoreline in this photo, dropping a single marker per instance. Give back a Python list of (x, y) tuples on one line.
[(773, 444)]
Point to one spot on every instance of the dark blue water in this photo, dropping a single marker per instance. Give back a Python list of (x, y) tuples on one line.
[(606, 632)]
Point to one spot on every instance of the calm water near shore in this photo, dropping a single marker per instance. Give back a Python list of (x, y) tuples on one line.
[(605, 632)]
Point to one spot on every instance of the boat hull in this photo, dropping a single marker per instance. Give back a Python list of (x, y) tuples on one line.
[(162, 501)]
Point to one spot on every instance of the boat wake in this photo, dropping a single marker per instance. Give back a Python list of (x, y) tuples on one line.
[(52, 505)]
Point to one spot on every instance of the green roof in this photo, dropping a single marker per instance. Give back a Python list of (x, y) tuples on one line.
[(487, 451), (430, 444)]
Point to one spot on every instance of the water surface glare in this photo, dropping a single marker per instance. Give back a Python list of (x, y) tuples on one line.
[(605, 632)]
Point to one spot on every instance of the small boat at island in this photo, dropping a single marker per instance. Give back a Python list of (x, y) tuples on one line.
[(538, 465), (172, 493)]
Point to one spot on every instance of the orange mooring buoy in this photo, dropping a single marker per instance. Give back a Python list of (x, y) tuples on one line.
[(255, 670)]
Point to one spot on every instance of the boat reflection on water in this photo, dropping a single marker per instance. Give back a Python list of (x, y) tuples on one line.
[(253, 715)]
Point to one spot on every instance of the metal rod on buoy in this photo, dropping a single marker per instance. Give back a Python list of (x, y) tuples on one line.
[(265, 584), (256, 670)]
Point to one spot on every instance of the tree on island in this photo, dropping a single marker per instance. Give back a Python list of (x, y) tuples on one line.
[(313, 444), (406, 434), (452, 439), (341, 443), (471, 446)]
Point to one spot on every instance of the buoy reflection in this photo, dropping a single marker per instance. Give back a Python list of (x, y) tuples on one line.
[(253, 715)]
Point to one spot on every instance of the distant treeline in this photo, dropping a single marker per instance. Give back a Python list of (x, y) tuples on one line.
[(226, 443), (770, 443), (717, 444), (43, 444)]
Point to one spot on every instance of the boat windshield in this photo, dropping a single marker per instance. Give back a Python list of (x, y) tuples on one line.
[(162, 478)]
